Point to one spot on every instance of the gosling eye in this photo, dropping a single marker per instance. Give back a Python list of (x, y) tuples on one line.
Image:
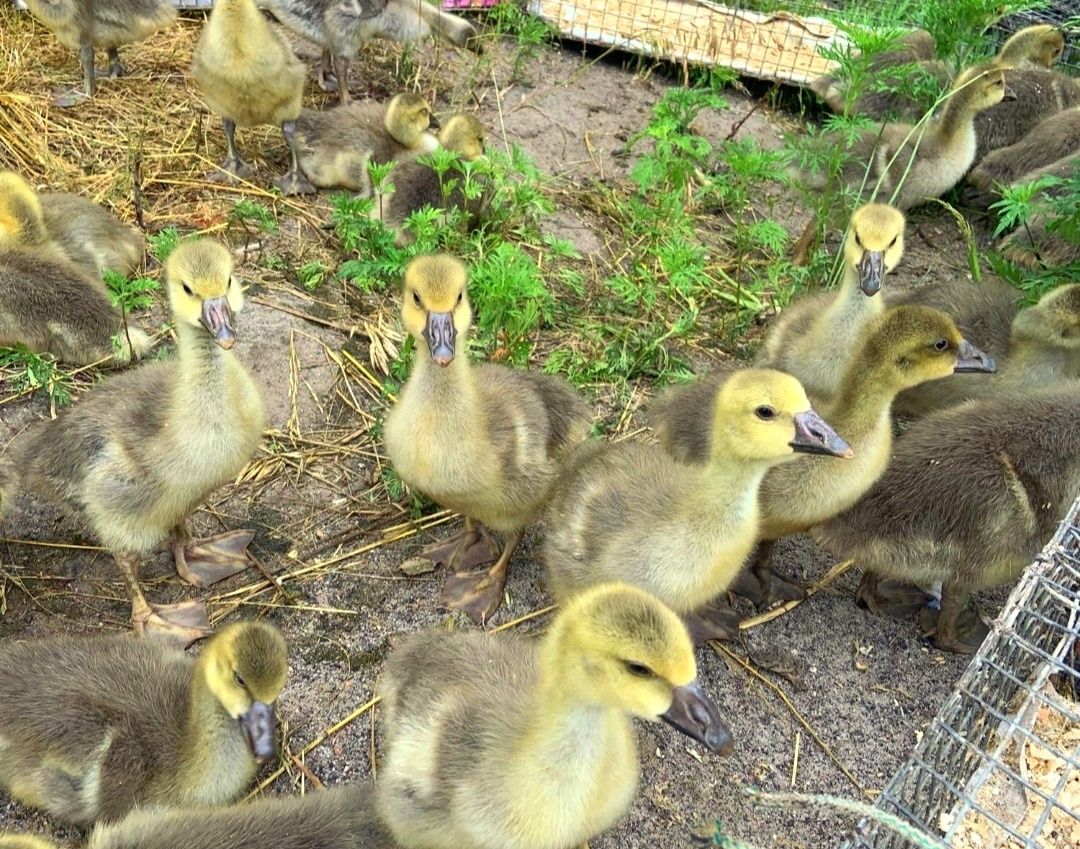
[(765, 413), (941, 345), (893, 242), (229, 284), (187, 290), (858, 241), (416, 297), (460, 295), (638, 670), (239, 681)]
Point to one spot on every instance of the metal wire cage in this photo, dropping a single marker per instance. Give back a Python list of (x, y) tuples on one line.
[(999, 767), (780, 40)]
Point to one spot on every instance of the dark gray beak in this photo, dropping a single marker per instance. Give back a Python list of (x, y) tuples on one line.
[(694, 714), (814, 436), (217, 318), (259, 726), (433, 122), (972, 359), (440, 334), (871, 272), (1009, 93)]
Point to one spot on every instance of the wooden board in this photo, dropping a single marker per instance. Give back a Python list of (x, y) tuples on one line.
[(778, 46)]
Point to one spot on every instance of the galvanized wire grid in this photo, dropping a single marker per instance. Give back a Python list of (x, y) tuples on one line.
[(1064, 14), (999, 767)]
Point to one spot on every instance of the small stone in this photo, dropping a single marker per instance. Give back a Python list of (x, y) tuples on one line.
[(415, 566)]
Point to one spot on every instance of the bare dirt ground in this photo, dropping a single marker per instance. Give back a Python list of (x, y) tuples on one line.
[(329, 541)]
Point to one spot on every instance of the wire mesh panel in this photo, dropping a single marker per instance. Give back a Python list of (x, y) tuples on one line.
[(779, 40), (999, 767), (775, 45), (1063, 14)]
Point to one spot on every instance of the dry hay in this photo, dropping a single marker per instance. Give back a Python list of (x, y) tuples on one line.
[(1040, 765), (153, 118)]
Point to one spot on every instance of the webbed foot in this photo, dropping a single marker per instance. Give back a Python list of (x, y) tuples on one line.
[(180, 624), (70, 97), (714, 621), (467, 549), (965, 634), (295, 183), (479, 594), (231, 169), (206, 561), (889, 598)]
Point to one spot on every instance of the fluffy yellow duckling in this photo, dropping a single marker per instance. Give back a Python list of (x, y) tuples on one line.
[(969, 497), (813, 338), (485, 440), (67, 226), (249, 75), (1037, 91), (138, 453), (903, 347), (336, 146), (46, 302), (504, 743), (87, 24), (417, 185), (631, 512), (1034, 347), (105, 724), (940, 152)]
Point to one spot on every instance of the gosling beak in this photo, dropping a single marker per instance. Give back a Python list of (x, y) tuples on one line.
[(814, 436), (440, 334), (972, 359), (1009, 93), (433, 122), (258, 724), (217, 319), (694, 714), (871, 271)]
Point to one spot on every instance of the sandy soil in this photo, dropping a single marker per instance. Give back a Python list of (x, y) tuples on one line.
[(869, 685)]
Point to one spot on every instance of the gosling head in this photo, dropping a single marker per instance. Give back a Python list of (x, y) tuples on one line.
[(408, 119), (980, 87), (618, 647), (244, 667), (464, 135), (435, 308), (1041, 44), (22, 220), (202, 290), (1054, 321), (764, 415), (875, 244), (909, 345)]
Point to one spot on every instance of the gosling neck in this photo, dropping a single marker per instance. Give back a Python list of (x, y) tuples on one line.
[(456, 378), (851, 303), (956, 119), (210, 734), (202, 360), (563, 718), (728, 477), (865, 395)]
